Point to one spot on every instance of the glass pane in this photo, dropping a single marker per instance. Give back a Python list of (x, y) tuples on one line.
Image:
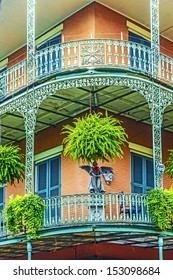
[(42, 176), (138, 189), (54, 172), (137, 169), (138, 39), (54, 41), (55, 192), (42, 195)]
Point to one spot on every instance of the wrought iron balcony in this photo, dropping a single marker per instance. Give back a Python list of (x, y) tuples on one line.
[(91, 53), (82, 209)]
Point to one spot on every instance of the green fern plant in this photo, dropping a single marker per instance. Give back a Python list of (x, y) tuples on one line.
[(94, 137), (24, 214), (160, 207), (11, 164)]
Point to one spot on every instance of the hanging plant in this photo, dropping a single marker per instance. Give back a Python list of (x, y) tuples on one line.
[(11, 164), (169, 165), (24, 214), (94, 137), (160, 207)]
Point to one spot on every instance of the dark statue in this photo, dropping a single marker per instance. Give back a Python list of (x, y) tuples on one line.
[(95, 184)]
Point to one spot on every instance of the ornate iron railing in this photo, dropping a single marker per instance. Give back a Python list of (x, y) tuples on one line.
[(87, 208), (91, 53), (83, 209)]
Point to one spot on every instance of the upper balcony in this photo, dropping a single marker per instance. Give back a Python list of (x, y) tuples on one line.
[(85, 54)]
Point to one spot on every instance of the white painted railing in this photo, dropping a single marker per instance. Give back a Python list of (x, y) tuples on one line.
[(91, 53), (81, 209), (87, 208)]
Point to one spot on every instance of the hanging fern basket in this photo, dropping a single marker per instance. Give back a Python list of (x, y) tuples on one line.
[(94, 137), (11, 165)]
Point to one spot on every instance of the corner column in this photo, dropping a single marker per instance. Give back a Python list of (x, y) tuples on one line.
[(30, 41), (155, 37), (160, 245), (30, 126), (156, 108), (29, 250), (156, 118)]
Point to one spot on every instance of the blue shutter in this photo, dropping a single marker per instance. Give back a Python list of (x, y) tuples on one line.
[(42, 179), (49, 177), (149, 175), (2, 198), (55, 41), (142, 174), (54, 165), (139, 40), (137, 179), (41, 59)]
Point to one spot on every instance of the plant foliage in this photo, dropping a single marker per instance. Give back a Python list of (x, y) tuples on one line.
[(24, 213), (160, 207), (169, 165), (94, 137), (11, 164)]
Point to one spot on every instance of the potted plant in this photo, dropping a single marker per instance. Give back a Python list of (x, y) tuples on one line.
[(94, 137), (12, 166), (24, 214), (160, 207)]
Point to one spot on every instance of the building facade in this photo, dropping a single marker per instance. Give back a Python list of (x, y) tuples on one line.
[(90, 57)]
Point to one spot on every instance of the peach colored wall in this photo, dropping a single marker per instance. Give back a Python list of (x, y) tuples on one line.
[(17, 57), (80, 25), (109, 24)]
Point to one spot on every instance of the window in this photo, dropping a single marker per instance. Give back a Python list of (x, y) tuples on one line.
[(142, 174), (49, 57), (49, 177), (49, 185), (2, 198), (139, 55), (48, 182)]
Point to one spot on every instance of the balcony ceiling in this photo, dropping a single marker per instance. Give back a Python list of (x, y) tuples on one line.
[(122, 102), (13, 14)]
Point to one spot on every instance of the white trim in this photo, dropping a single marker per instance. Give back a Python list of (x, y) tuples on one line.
[(3, 63), (141, 150), (48, 154)]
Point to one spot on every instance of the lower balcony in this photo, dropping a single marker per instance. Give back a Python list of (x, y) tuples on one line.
[(114, 219)]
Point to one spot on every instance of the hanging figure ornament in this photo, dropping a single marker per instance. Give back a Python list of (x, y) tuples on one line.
[(96, 185)]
